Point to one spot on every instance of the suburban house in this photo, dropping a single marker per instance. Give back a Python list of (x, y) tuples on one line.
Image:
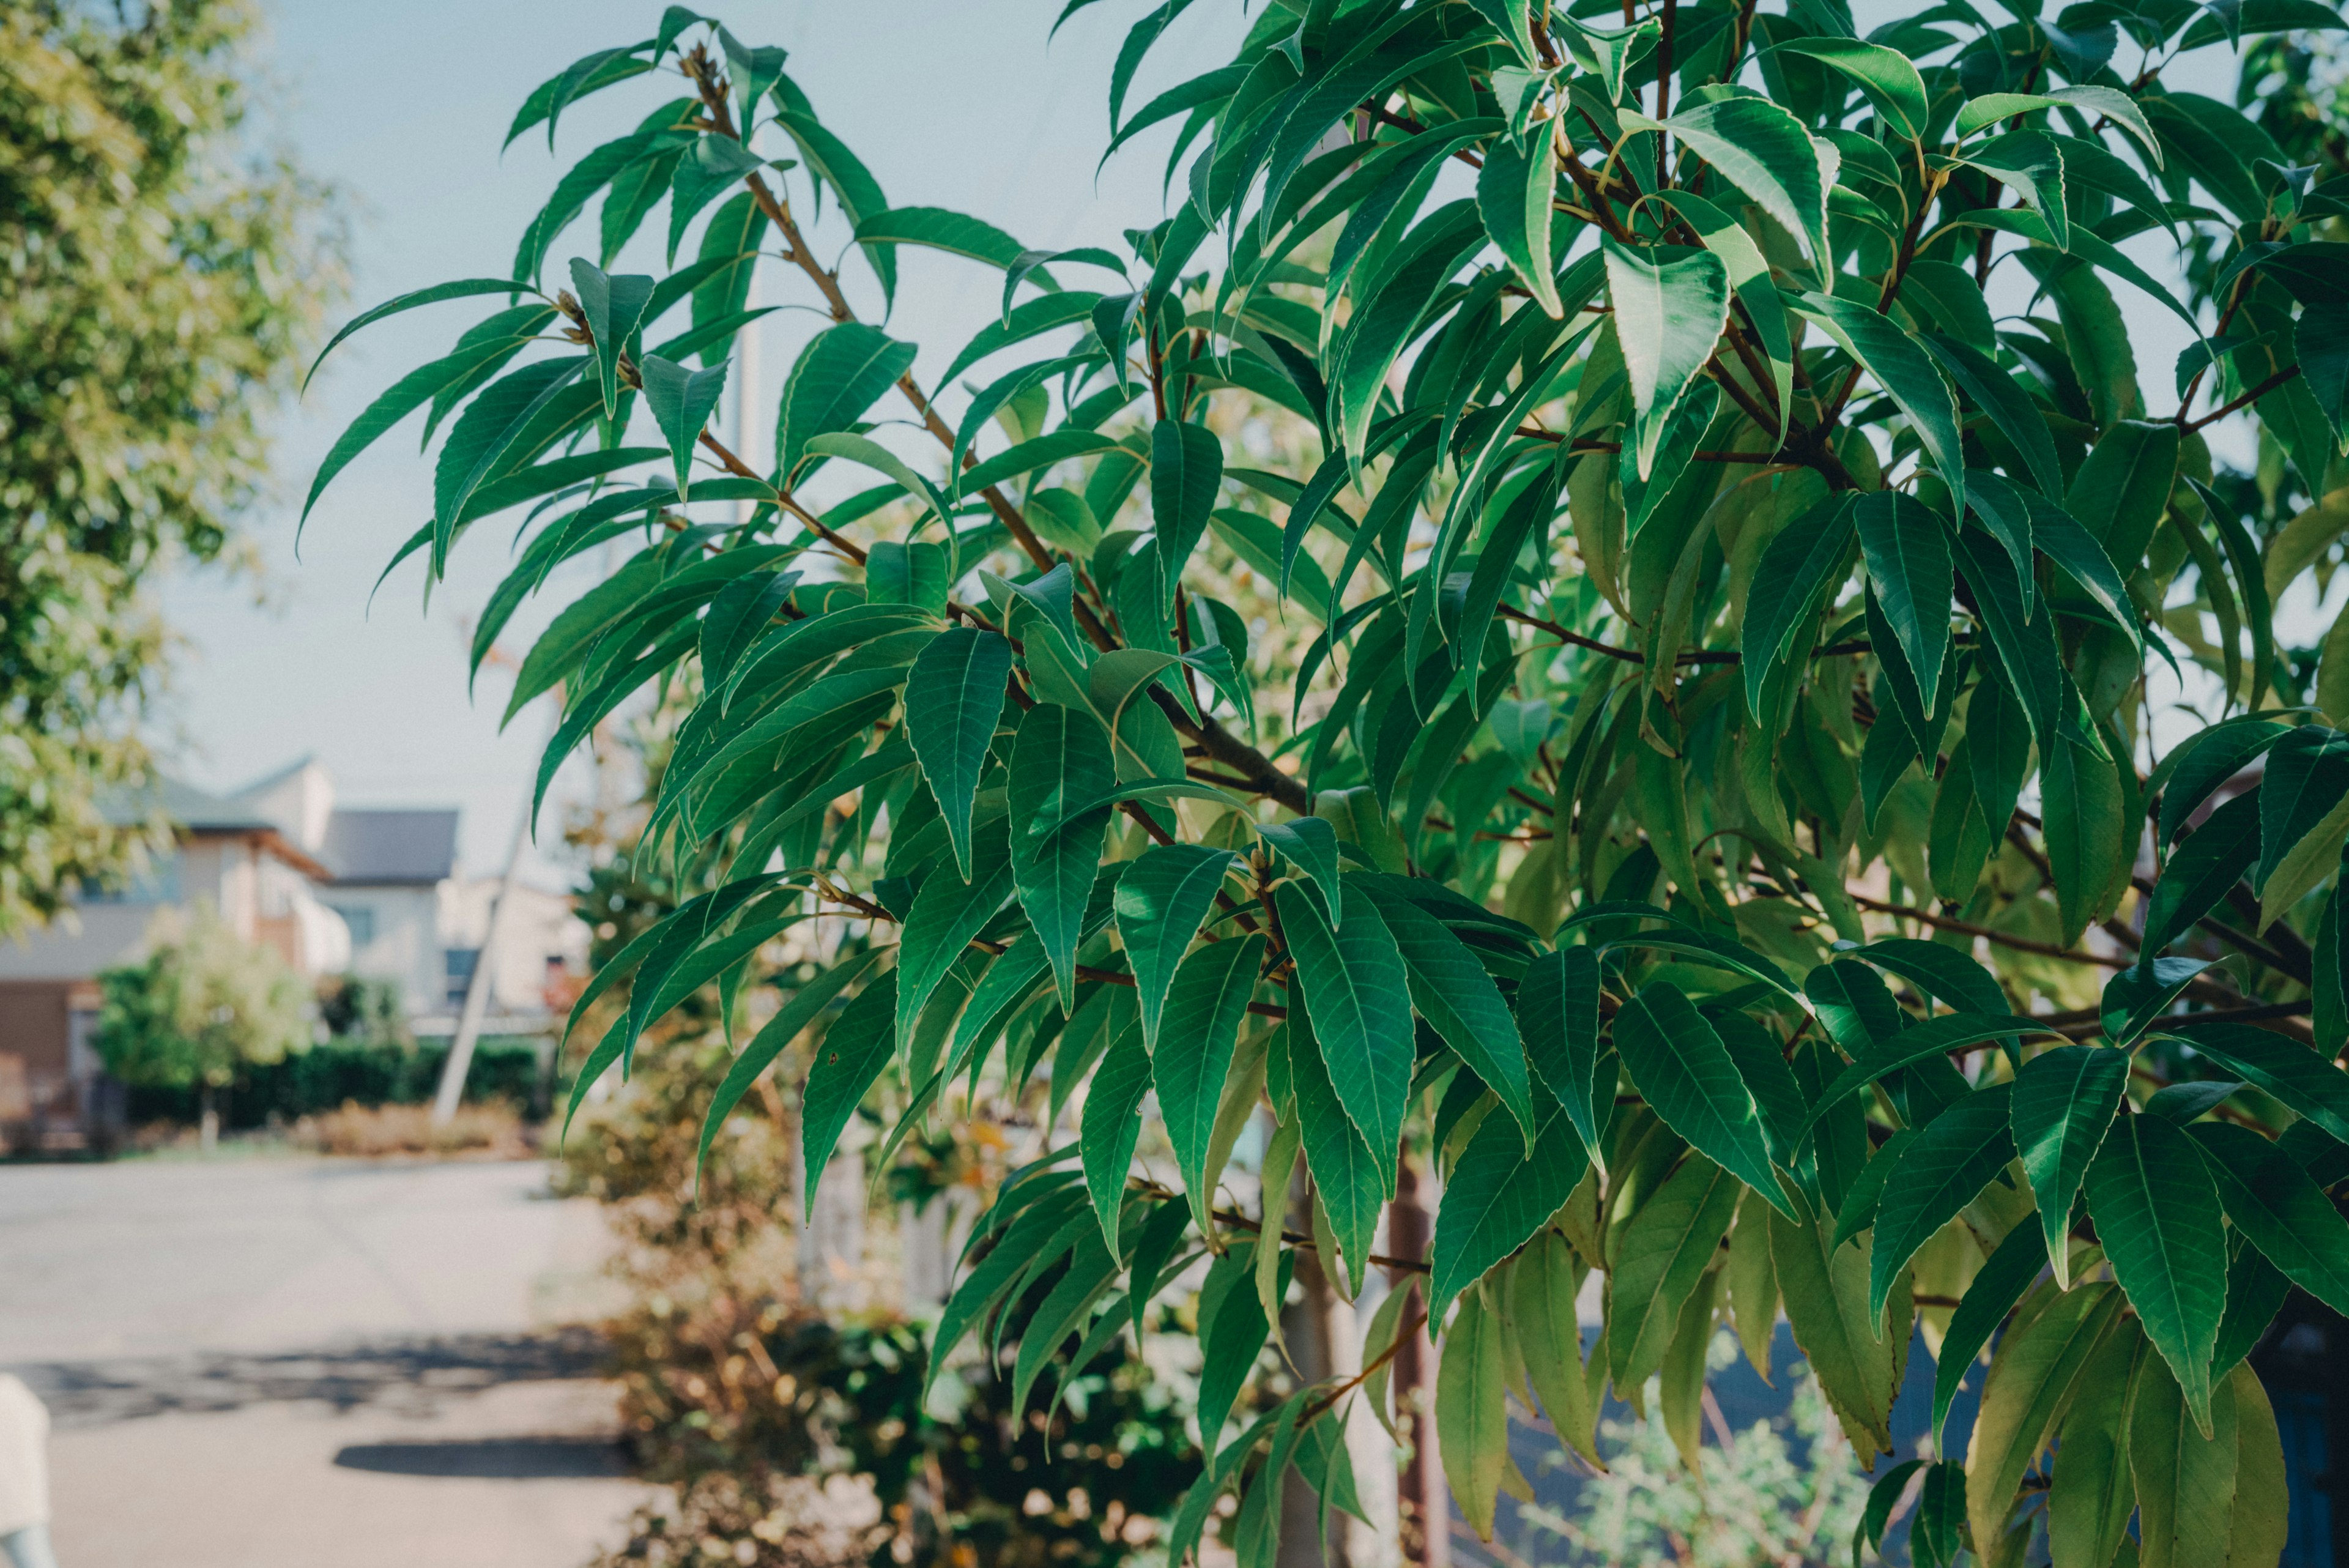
[(334, 889)]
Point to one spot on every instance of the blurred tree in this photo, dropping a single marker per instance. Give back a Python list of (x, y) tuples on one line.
[(201, 1004), (359, 1010), (159, 278)]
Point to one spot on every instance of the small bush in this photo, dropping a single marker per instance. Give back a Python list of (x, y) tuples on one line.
[(372, 1132)]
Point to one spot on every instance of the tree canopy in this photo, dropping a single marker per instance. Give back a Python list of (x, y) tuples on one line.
[(201, 1006), (160, 276), (1718, 818)]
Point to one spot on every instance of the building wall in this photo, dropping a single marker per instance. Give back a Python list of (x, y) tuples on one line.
[(402, 941)]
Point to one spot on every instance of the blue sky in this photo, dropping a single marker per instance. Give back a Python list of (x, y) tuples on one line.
[(955, 104)]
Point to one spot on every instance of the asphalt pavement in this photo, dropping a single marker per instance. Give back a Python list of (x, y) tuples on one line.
[(259, 1362)]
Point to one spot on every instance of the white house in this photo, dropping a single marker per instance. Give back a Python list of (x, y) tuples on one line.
[(334, 889)]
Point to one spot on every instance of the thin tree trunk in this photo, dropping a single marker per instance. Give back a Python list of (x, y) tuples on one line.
[(1426, 1503), (1305, 1326), (207, 1118)]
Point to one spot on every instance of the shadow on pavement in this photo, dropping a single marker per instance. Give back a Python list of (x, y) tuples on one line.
[(410, 1376), (492, 1458)]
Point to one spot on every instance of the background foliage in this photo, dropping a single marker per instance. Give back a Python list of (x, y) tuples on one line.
[(161, 275), (1717, 818)]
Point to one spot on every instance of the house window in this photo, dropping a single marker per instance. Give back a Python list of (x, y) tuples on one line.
[(459, 963), (361, 921)]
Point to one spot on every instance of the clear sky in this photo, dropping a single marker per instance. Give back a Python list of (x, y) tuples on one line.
[(954, 103), (951, 103)]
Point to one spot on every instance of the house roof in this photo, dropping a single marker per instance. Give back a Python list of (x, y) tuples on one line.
[(185, 807), (391, 846), (194, 811)]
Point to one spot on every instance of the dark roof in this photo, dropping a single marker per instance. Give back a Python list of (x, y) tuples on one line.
[(417, 846)]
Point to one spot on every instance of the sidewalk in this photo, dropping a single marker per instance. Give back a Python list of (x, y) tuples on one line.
[(279, 1361)]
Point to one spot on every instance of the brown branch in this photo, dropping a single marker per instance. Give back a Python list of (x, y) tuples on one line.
[(2021, 944), (2253, 396)]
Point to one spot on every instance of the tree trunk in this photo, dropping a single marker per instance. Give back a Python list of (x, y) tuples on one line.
[(207, 1118), (1425, 1500), (1304, 1327)]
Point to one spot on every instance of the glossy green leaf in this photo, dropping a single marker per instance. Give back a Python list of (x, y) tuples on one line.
[(1668, 314), (1194, 1056), (1060, 755), (848, 1060), (954, 695), (1355, 990), (1682, 1066), (1161, 904), (2158, 1219), (1112, 1123), (2064, 1103), (841, 372), (1951, 1159)]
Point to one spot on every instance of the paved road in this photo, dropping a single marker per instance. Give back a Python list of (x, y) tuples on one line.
[(265, 1362)]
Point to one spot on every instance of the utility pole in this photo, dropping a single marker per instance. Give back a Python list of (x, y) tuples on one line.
[(478, 984)]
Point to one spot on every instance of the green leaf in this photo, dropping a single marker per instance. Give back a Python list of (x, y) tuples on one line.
[(954, 695), (1659, 1258), (1668, 317), (1514, 193), (860, 195), (1472, 1417), (850, 1057), (1901, 365), (2303, 1079), (2092, 1495), (2306, 779), (1353, 984), (1558, 1010), (1161, 903), (1061, 756), (2029, 1385), (1232, 1332), (939, 229), (1351, 1187), (2011, 409), (946, 914), (1803, 562), (841, 373), (1983, 1311), (1203, 1008), (1186, 472), (1690, 1082), (1540, 1318), (2160, 1223), (1951, 1159), (1310, 844), (1763, 151), (2278, 1209), (1111, 1123), (681, 402), (2199, 872), (1502, 1190), (461, 288), (1824, 1290), (2185, 1480), (2030, 165), (1918, 1042), (2080, 800), (1092, 1269), (612, 306), (412, 391), (1450, 987), (1887, 76), (2065, 1101), (1908, 552), (773, 1038)]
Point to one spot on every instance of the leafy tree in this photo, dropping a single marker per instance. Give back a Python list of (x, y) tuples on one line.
[(160, 279), (202, 1006), (359, 1011), (1718, 822)]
